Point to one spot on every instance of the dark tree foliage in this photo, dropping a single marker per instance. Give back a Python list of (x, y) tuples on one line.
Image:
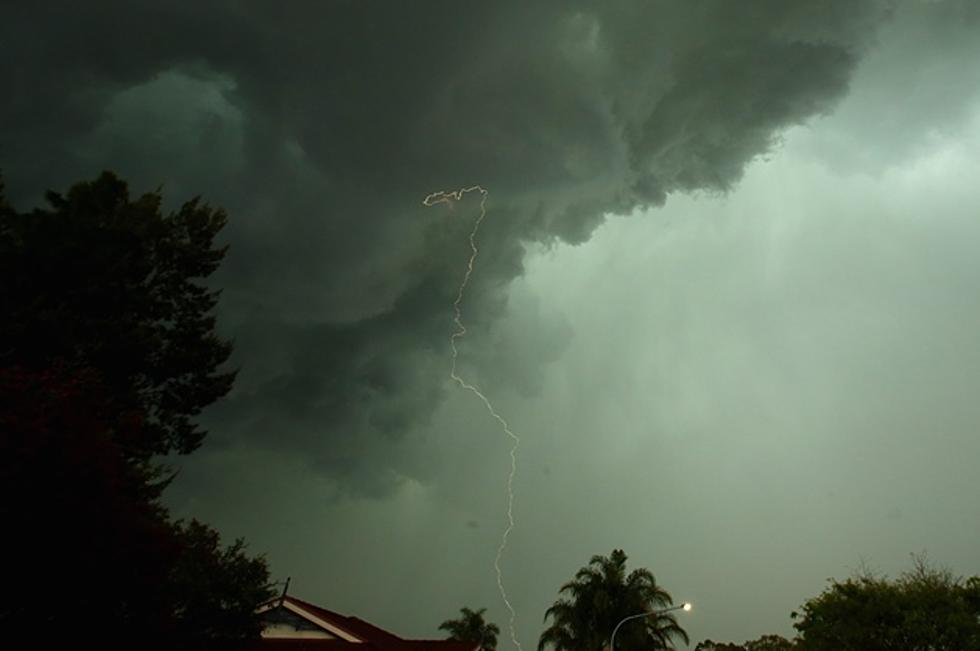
[(107, 351), (770, 643), (709, 645), (925, 609), (764, 643), (110, 283), (81, 541), (215, 589), (602, 594), (471, 627)]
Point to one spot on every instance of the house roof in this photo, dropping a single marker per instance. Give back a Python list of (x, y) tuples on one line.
[(300, 644), (350, 633)]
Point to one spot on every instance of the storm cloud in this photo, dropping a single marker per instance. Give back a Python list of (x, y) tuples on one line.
[(726, 289), (320, 126)]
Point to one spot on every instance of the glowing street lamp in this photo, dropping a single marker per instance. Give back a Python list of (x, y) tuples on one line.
[(686, 607)]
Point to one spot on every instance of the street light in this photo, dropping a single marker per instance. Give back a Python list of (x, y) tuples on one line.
[(686, 606)]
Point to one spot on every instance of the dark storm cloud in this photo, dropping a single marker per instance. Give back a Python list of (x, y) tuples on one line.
[(910, 96), (321, 126)]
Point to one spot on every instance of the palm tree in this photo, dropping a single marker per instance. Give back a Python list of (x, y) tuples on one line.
[(598, 598), (470, 627)]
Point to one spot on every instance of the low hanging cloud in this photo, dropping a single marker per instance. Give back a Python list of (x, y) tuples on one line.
[(321, 127)]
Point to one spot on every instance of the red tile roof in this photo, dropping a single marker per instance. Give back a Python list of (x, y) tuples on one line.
[(374, 638), (300, 644)]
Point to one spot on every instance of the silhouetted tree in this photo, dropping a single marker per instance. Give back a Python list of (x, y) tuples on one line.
[(764, 643), (106, 282), (602, 594), (709, 645), (471, 627), (78, 526), (215, 588), (770, 643), (925, 609), (107, 352)]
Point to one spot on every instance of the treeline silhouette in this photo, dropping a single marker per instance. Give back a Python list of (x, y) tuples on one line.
[(108, 351)]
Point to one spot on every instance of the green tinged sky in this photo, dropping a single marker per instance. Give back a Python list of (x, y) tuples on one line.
[(727, 294)]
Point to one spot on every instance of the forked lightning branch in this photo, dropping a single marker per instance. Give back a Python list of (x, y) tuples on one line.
[(450, 198)]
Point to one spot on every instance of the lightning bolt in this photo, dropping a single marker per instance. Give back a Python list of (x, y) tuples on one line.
[(450, 198)]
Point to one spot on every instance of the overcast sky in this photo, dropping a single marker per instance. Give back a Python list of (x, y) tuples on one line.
[(727, 292)]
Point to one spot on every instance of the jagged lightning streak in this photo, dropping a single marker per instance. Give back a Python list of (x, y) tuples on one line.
[(450, 198)]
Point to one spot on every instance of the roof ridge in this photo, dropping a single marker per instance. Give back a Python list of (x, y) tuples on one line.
[(303, 602), (332, 618), (376, 628), (352, 625)]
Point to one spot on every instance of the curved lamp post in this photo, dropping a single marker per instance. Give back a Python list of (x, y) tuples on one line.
[(686, 606)]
